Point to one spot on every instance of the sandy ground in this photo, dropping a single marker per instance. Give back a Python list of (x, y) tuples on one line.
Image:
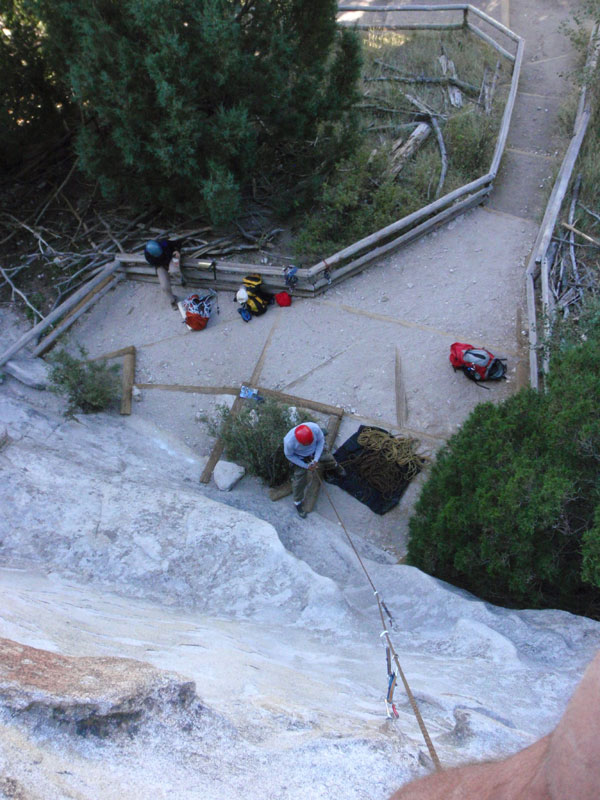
[(378, 345)]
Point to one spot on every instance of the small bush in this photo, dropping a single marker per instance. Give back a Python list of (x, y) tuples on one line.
[(89, 386), (254, 437), (470, 139), (358, 199)]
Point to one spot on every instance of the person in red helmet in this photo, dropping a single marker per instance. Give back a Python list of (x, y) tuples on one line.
[(304, 447)]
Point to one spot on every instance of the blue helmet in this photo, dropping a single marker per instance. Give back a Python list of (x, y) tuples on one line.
[(154, 249)]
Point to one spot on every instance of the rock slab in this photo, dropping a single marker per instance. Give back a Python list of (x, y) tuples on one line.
[(30, 371), (227, 474)]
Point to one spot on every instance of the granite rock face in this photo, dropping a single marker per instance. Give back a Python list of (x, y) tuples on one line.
[(123, 585)]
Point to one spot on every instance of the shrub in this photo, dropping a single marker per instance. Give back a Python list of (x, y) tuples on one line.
[(89, 386), (254, 437), (470, 140), (358, 199), (511, 508)]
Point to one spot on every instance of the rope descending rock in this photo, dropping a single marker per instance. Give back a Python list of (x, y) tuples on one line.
[(386, 462)]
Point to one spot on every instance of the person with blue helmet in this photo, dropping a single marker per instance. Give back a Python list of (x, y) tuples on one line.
[(165, 256)]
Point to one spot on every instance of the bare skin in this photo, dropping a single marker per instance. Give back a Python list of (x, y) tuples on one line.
[(564, 765)]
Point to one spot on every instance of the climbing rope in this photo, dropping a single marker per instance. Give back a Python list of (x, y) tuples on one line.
[(390, 650), (386, 462)]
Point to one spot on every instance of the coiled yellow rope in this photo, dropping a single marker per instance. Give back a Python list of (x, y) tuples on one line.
[(386, 462)]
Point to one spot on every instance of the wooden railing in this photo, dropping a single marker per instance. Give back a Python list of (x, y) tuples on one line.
[(538, 266)]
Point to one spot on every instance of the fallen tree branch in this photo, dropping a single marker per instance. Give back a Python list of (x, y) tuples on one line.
[(467, 87), (581, 233), (490, 95), (589, 211), (60, 188), (20, 293), (443, 156), (576, 186)]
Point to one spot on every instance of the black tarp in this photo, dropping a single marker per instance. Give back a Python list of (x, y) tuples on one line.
[(356, 485)]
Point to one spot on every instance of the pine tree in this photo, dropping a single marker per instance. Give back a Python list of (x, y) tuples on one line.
[(186, 102)]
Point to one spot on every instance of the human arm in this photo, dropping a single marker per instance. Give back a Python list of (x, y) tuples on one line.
[(289, 449), (319, 441)]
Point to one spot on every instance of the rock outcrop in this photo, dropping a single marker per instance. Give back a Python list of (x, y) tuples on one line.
[(120, 575), (93, 696)]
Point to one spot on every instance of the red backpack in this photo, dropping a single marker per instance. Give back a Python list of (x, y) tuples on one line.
[(477, 363), (283, 299)]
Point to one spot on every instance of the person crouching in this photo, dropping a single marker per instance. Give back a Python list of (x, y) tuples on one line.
[(165, 256), (304, 447)]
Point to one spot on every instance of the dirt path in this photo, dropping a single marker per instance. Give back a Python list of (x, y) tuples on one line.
[(377, 345)]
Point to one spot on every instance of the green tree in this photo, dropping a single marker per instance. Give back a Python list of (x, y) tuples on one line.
[(186, 103), (511, 510), (29, 101)]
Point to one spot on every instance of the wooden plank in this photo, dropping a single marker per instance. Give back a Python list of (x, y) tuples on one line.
[(127, 381), (261, 359), (137, 261), (178, 387), (410, 7), (312, 492), (301, 402), (62, 309), (407, 26), (218, 447), (80, 309), (532, 324), (401, 415), (494, 23), (115, 353)]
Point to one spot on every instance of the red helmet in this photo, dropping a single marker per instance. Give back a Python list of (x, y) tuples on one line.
[(304, 434)]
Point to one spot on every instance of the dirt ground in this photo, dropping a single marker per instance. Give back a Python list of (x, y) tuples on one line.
[(376, 346)]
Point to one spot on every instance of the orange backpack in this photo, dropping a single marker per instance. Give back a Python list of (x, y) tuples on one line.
[(198, 310)]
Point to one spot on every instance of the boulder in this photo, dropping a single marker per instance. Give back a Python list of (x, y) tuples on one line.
[(95, 695), (227, 474), (30, 371)]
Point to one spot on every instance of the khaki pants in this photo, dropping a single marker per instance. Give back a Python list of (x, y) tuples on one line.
[(300, 475), (164, 278)]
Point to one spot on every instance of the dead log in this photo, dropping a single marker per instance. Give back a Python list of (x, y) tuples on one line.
[(402, 152), (451, 78), (454, 93), (576, 187), (21, 294), (443, 156), (489, 98)]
